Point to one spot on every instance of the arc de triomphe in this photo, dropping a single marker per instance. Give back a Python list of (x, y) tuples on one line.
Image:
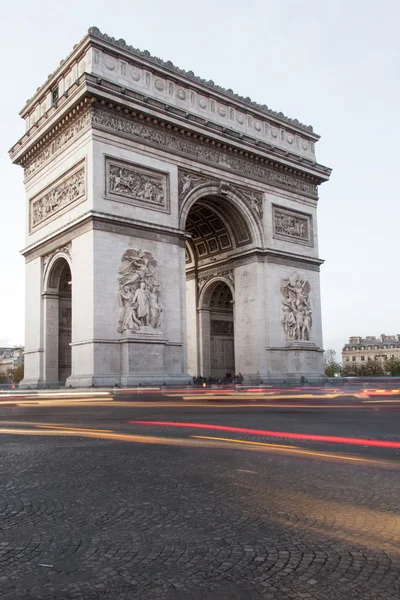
[(172, 228)]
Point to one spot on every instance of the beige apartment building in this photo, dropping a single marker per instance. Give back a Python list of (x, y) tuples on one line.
[(10, 359), (360, 349)]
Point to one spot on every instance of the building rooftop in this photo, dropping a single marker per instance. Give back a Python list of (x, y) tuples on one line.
[(377, 341), (120, 43)]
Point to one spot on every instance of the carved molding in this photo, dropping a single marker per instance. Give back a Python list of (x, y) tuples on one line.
[(296, 309), (206, 276), (159, 137), (63, 249), (190, 75), (134, 184), (292, 225), (189, 181), (58, 143), (65, 191)]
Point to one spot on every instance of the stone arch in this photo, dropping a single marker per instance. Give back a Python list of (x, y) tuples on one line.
[(208, 289), (190, 254), (216, 328), (57, 319), (232, 204), (54, 269)]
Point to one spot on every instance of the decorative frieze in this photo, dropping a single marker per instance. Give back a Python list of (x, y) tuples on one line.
[(66, 191), (139, 293), (58, 143), (159, 137), (218, 327), (297, 315), (292, 225), (133, 184)]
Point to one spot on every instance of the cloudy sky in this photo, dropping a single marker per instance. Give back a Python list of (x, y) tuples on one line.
[(333, 65)]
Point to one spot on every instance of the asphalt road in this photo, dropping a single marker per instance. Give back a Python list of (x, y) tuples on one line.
[(103, 499)]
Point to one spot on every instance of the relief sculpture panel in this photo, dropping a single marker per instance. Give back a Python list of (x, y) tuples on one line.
[(203, 152), (139, 293), (292, 226), (132, 184), (297, 315), (66, 191)]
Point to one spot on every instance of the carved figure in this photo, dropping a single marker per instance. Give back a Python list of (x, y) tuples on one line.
[(187, 181), (135, 184), (58, 197), (291, 226), (155, 309), (297, 315), (141, 303), (139, 292), (255, 201)]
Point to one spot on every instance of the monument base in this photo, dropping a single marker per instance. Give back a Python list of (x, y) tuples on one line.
[(34, 384)]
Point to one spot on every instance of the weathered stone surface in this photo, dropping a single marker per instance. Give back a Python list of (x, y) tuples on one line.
[(121, 158)]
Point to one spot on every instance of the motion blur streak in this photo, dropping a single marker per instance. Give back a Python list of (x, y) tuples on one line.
[(296, 450), (206, 437), (283, 434), (67, 428)]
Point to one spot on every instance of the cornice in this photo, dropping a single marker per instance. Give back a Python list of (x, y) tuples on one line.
[(135, 106), (52, 123), (218, 153), (111, 94), (266, 255), (105, 222), (95, 36), (74, 56)]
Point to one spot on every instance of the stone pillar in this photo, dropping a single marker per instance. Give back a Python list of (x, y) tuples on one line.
[(205, 342), (192, 328), (82, 334), (33, 368), (50, 337), (250, 333)]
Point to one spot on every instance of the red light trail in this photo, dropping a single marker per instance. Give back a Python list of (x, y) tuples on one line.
[(283, 434)]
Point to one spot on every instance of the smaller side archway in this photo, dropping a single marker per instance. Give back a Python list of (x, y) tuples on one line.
[(216, 329), (57, 315)]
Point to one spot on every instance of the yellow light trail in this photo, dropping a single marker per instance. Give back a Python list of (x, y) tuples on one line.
[(294, 450), (66, 428), (215, 442), (206, 437), (265, 397)]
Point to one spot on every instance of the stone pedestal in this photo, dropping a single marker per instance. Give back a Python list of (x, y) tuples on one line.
[(142, 359)]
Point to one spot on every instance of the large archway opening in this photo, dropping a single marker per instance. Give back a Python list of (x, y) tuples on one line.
[(58, 321), (219, 232), (219, 303), (64, 325)]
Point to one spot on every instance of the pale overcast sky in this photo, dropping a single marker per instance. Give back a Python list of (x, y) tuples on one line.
[(332, 65)]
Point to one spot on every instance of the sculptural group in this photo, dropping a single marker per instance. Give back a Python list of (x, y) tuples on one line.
[(297, 315), (139, 292)]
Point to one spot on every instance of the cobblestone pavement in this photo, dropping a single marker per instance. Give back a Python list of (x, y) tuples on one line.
[(106, 519)]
